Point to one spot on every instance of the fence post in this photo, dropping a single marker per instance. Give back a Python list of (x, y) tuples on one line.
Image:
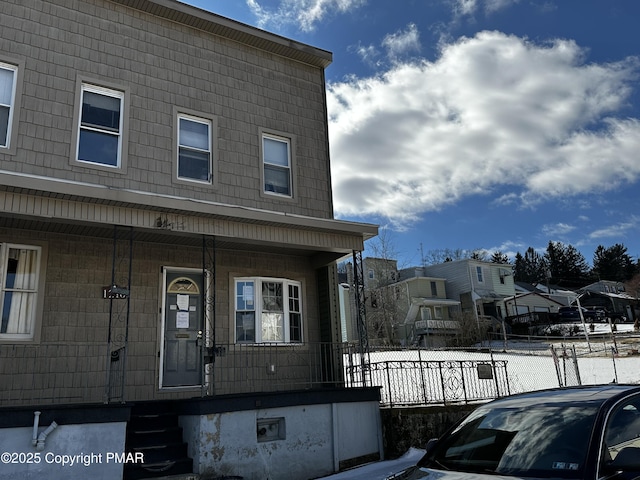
[(495, 373), (424, 387), (444, 393), (386, 365), (464, 386)]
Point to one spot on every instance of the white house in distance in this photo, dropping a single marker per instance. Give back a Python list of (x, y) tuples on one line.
[(481, 287)]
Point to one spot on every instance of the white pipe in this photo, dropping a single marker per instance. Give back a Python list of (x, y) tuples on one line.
[(36, 423), (43, 436)]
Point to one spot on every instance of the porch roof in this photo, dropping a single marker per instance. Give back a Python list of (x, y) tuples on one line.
[(34, 202)]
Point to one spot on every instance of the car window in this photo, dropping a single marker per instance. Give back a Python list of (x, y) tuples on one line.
[(621, 447), (535, 441)]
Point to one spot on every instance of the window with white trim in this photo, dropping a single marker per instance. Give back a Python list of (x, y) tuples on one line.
[(268, 310), (194, 148), (8, 74), (479, 274), (276, 158), (100, 126), (20, 270)]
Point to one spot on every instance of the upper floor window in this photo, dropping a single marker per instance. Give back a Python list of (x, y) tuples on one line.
[(479, 274), (194, 149), (276, 153), (20, 270), (434, 289), (100, 126), (268, 310), (8, 74)]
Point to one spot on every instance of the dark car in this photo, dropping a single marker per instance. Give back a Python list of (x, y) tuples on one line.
[(572, 433), (572, 314)]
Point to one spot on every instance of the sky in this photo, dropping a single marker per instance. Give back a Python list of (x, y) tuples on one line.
[(476, 124)]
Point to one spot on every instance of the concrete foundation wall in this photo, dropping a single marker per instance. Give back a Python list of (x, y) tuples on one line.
[(294, 442), (70, 452)]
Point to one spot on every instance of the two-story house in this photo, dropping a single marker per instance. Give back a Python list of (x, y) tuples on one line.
[(480, 286), (427, 317), (167, 242)]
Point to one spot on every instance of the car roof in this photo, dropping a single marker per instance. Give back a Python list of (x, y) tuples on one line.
[(592, 394)]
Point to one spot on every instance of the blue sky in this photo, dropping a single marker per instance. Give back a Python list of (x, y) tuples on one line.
[(477, 124)]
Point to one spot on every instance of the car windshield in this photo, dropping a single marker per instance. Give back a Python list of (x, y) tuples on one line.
[(532, 441)]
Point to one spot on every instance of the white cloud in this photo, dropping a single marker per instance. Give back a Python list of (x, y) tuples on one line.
[(618, 230), (492, 110), (557, 229), (495, 5), (395, 46), (305, 14), (468, 8), (402, 42)]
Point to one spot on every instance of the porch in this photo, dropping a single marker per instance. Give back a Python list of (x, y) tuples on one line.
[(90, 373)]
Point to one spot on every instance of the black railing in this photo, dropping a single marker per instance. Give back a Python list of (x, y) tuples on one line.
[(424, 382)]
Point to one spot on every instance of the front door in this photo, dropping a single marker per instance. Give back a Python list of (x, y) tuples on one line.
[(183, 320)]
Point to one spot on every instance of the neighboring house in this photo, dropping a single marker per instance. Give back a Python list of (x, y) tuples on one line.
[(526, 303), (424, 312), (379, 272), (168, 246), (535, 298), (480, 286), (611, 297), (558, 294), (373, 274)]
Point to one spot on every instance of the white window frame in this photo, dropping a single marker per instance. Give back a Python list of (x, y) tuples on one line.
[(11, 104), (288, 309), (209, 151), (107, 92), (33, 306), (425, 313), (266, 164)]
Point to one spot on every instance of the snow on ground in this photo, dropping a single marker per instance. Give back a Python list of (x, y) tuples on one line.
[(534, 369)]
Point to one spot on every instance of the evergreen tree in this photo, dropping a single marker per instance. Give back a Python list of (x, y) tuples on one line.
[(518, 268), (499, 257), (530, 268), (566, 266), (613, 263)]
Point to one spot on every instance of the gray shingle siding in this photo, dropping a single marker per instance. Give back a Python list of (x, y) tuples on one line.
[(163, 65)]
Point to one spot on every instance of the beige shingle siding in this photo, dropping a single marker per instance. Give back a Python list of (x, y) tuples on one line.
[(68, 365), (164, 65)]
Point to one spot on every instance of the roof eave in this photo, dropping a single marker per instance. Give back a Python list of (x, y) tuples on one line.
[(224, 27)]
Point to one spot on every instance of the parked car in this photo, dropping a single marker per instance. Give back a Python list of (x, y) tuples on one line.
[(572, 314), (572, 433)]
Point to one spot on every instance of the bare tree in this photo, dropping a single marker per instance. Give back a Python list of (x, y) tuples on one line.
[(381, 275), (470, 331)]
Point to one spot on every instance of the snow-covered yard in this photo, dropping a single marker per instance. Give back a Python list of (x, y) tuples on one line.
[(530, 367)]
